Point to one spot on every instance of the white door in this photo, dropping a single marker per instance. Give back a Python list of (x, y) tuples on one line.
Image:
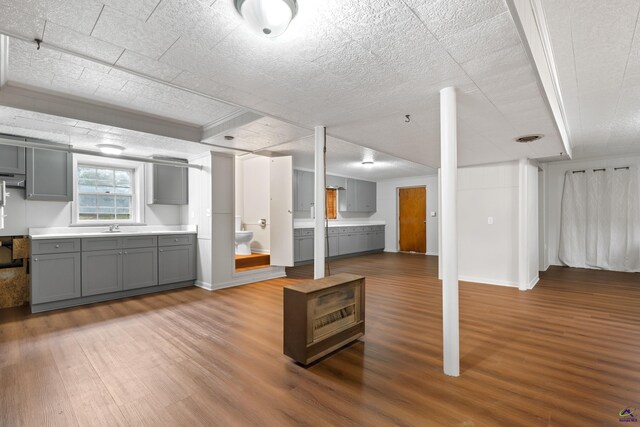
[(281, 211)]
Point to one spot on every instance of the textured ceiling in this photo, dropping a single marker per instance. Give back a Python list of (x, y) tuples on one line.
[(355, 66), (596, 46), (87, 135), (345, 159)]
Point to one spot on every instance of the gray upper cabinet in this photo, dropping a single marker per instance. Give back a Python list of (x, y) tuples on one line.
[(55, 277), (49, 175), (167, 185), (11, 160), (358, 196), (303, 190)]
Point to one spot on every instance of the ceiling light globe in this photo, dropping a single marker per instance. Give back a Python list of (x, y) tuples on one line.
[(270, 18)]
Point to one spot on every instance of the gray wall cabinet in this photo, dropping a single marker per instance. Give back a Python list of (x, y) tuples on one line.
[(167, 185), (49, 175), (355, 195), (72, 271), (303, 191), (55, 277), (139, 268), (358, 196), (343, 241), (176, 264), (101, 272), (11, 160)]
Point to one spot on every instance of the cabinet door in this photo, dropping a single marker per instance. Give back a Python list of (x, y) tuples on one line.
[(169, 185), (306, 248), (378, 240), (360, 240), (346, 244), (101, 272), (49, 175), (348, 196), (336, 181), (366, 196), (55, 277), (334, 246), (296, 249), (139, 268), (176, 264), (303, 190), (11, 159)]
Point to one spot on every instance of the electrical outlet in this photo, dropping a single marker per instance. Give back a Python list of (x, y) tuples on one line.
[(490, 220)]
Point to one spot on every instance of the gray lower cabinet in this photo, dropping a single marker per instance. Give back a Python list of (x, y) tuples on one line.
[(139, 268), (176, 264), (11, 160), (55, 277), (101, 272), (72, 271), (342, 241), (49, 175)]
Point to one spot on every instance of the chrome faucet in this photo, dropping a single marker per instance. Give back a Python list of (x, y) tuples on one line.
[(114, 227)]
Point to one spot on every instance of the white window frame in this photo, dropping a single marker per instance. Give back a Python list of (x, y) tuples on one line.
[(138, 206)]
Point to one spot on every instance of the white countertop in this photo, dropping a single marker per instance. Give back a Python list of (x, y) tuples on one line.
[(336, 223), (133, 230)]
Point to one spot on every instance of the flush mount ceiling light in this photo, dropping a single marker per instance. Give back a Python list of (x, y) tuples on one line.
[(528, 138), (111, 148), (267, 17)]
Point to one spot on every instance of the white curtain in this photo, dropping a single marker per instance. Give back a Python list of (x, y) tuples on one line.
[(600, 219)]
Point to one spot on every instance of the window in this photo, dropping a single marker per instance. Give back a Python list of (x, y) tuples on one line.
[(332, 202), (105, 194)]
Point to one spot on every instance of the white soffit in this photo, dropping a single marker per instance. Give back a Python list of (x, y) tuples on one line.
[(357, 67), (596, 46)]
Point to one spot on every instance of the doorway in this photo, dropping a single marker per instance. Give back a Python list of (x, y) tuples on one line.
[(412, 207)]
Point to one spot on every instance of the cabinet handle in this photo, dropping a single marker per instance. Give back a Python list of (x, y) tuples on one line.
[(125, 252), (35, 259), (57, 246), (119, 253), (161, 250), (175, 240)]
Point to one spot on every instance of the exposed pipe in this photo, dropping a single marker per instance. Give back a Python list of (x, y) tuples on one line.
[(54, 146)]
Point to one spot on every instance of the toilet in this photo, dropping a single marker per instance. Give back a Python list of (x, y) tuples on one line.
[(243, 239)]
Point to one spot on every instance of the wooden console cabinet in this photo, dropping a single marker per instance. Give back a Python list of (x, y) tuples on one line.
[(320, 316)]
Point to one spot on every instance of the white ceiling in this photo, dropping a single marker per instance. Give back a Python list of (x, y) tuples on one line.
[(357, 67), (596, 46), (345, 159)]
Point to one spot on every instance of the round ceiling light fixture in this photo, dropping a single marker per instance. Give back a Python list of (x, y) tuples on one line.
[(111, 149), (529, 138), (270, 18)]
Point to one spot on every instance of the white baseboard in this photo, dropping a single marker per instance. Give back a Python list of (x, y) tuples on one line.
[(432, 253), (246, 277), (533, 283), (487, 281)]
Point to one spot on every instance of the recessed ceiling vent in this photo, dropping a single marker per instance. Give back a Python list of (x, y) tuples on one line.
[(525, 139), (229, 137)]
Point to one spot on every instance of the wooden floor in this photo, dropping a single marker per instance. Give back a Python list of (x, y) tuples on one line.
[(566, 353)]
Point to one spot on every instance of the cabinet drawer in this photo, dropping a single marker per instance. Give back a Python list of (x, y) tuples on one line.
[(139, 242), (177, 240), (101, 244), (55, 246)]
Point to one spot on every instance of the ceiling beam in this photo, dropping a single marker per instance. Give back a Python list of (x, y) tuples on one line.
[(530, 20), (218, 128), (4, 60), (42, 102)]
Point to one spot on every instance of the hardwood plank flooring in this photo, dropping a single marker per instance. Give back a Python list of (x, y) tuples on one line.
[(565, 353)]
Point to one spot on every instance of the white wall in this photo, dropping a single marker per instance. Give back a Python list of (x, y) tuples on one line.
[(532, 225), (253, 189), (23, 214), (387, 202), (554, 176), (488, 253), (199, 213)]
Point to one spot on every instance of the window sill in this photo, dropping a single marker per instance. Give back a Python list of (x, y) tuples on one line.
[(103, 224)]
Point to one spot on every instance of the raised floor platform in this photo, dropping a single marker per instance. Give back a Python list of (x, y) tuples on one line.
[(250, 262)]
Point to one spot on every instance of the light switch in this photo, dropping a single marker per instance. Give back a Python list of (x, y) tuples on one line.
[(433, 214), (490, 220)]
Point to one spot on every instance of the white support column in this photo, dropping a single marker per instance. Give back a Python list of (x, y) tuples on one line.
[(449, 236), (523, 187), (319, 203), (4, 59)]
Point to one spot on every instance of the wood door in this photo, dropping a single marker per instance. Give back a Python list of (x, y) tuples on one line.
[(412, 204), (281, 211)]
